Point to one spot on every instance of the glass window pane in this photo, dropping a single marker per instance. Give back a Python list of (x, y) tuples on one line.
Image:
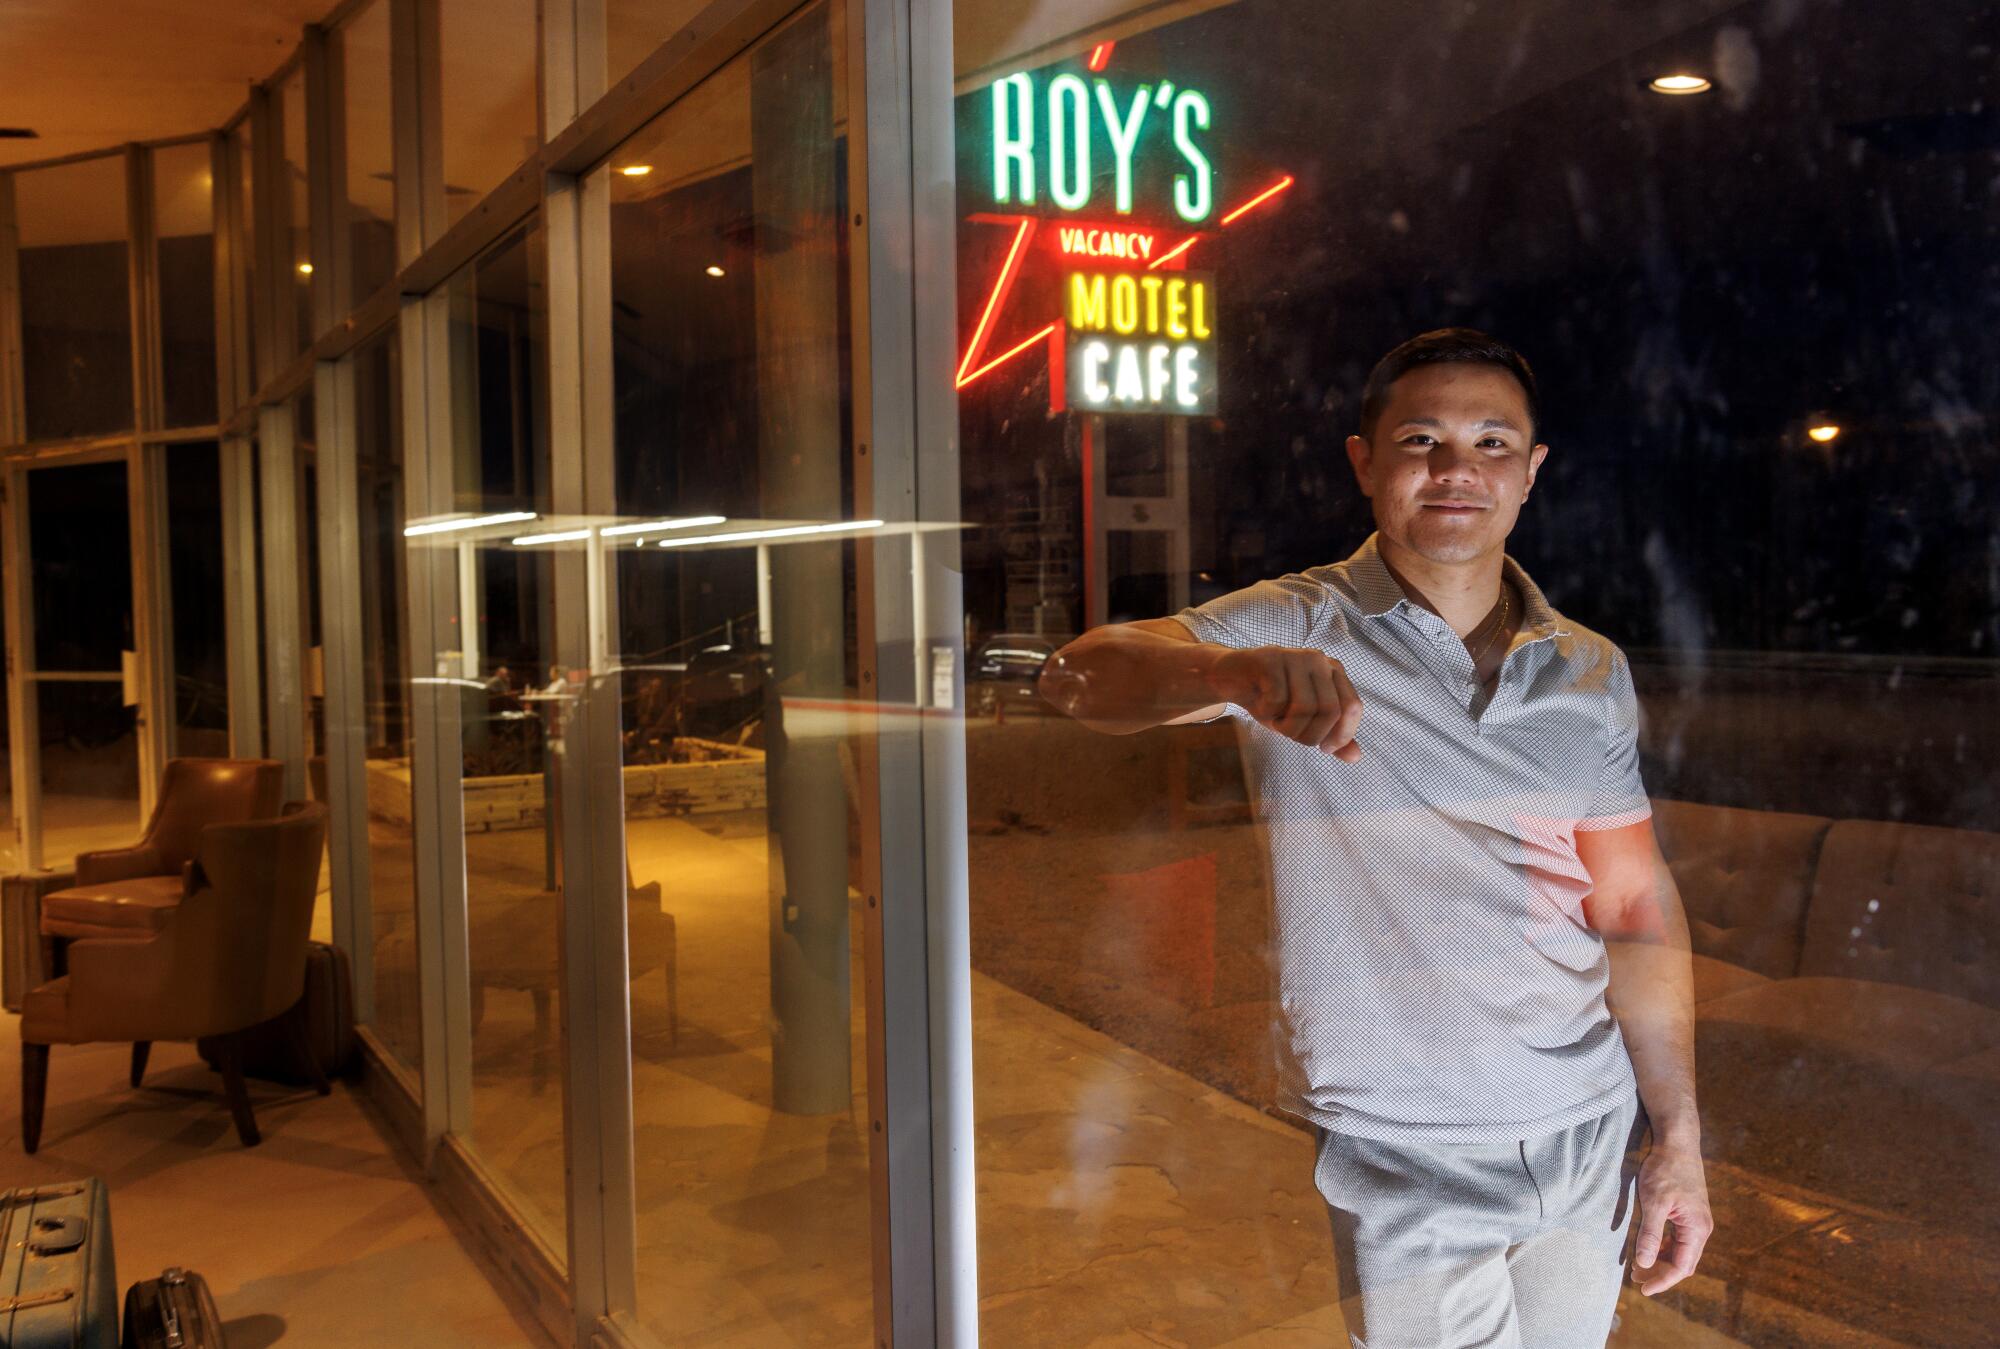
[(201, 657), (81, 564), (371, 207), (305, 433), (295, 315), (81, 587), (742, 818), (1236, 985), (385, 699), (247, 260), (514, 896), (184, 227), (489, 96), (634, 30), (76, 317), (90, 768)]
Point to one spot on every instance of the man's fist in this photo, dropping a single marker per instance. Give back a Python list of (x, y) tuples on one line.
[(1302, 695)]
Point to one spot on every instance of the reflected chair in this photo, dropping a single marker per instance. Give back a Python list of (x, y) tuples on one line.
[(514, 938), (514, 944), (230, 954), (127, 893)]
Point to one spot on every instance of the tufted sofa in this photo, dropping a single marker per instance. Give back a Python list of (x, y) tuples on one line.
[(1865, 935), (1847, 1017)]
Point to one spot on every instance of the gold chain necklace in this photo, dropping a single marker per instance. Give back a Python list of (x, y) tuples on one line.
[(1506, 607)]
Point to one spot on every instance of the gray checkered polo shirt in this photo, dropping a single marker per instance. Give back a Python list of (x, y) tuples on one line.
[(1437, 980)]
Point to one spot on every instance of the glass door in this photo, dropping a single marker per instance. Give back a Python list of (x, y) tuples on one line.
[(79, 725)]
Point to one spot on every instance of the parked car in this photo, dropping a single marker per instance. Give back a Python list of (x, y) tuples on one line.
[(723, 689), (1004, 669)]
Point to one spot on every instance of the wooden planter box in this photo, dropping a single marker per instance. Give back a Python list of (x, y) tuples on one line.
[(717, 778)]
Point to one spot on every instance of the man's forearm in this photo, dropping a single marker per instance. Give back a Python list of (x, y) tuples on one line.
[(1652, 994), (1122, 679)]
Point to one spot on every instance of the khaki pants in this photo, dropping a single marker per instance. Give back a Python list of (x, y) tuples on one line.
[(1517, 1245)]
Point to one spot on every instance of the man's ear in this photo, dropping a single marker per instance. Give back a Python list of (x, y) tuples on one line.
[(1361, 456), (1535, 457)]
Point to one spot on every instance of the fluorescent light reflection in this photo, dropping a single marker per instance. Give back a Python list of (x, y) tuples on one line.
[(787, 532), (655, 526), (560, 536), (467, 522)]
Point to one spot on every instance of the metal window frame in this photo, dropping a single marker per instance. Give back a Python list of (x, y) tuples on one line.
[(142, 450), (905, 314), (345, 710)]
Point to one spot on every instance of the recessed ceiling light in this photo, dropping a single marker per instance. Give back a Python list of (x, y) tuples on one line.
[(713, 270), (1824, 432), (1678, 84), (305, 269), (636, 170)]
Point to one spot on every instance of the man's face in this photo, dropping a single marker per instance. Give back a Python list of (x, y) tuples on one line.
[(1450, 460)]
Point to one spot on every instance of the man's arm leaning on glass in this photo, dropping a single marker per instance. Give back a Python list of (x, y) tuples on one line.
[(1126, 677)]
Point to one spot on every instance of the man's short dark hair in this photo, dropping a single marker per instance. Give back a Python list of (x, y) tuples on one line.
[(1446, 346)]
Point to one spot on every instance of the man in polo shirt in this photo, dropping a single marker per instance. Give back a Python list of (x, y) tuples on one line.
[(1484, 984)]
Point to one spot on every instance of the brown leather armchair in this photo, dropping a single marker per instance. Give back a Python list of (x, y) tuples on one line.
[(128, 892), (232, 953)]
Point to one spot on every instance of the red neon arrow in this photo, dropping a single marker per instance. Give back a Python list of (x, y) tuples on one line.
[(1254, 202), (1008, 270)]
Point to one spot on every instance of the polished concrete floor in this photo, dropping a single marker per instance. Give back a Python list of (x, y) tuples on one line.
[(1120, 1201), (320, 1236)]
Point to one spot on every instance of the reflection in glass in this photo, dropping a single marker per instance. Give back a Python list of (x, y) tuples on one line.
[(201, 663), (509, 719), (370, 196), (81, 586), (90, 768), (76, 319), (736, 659), (634, 30), (488, 55), (184, 226), (385, 698), (295, 311), (1761, 317), (241, 147)]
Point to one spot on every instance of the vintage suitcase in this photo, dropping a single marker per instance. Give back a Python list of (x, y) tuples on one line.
[(58, 1281), (326, 1008), (174, 1311), (21, 931)]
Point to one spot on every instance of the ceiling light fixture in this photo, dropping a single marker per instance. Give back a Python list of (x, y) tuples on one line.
[(636, 170), (305, 269), (1824, 432), (713, 270), (655, 526), (466, 522), (787, 532), (1678, 84)]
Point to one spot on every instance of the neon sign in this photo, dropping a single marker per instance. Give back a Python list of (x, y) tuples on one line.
[(1096, 241), (1135, 329), (1048, 140), (1140, 342)]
